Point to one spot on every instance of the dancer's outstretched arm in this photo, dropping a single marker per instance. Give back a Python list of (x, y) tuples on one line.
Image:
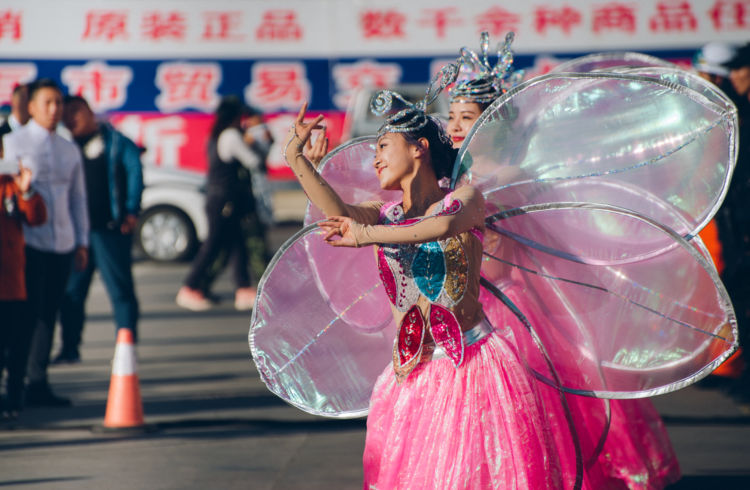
[(463, 212), (317, 189)]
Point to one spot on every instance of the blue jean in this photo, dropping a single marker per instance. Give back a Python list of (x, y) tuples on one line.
[(110, 252)]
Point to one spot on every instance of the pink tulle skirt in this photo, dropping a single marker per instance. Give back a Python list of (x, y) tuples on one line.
[(477, 427), (623, 443), (630, 451), (490, 424)]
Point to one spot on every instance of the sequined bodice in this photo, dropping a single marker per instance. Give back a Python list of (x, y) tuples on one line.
[(438, 270), (433, 287)]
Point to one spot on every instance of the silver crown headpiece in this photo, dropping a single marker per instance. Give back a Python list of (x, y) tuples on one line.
[(413, 116), (485, 83)]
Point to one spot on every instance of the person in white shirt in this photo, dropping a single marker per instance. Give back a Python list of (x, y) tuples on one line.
[(62, 241)]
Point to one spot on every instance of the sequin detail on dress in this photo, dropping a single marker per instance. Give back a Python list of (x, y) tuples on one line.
[(410, 339), (437, 270), (428, 269), (447, 333), (386, 275), (457, 274)]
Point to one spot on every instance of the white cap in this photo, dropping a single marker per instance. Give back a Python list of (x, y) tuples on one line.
[(712, 57)]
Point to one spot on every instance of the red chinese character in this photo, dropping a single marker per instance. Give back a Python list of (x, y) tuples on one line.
[(103, 86), (440, 19), (161, 25), (385, 24), (564, 18), (185, 85), (278, 85), (673, 15), (106, 24), (363, 74), (614, 16), (12, 74), (279, 25), (163, 137), (222, 26), (727, 15), (10, 24), (497, 21)]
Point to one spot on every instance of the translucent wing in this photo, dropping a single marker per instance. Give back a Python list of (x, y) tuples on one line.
[(608, 61), (662, 147), (593, 181), (612, 326), (319, 347)]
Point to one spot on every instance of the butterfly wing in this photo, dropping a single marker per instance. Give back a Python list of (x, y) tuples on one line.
[(593, 182), (641, 142), (606, 318), (321, 348)]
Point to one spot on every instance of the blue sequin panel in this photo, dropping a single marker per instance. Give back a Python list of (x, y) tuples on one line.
[(428, 269)]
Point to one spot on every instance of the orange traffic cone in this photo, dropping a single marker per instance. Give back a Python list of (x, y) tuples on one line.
[(124, 406)]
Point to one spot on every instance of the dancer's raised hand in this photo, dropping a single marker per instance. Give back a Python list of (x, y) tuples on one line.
[(300, 133)]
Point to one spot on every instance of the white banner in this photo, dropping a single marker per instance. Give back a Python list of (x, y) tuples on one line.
[(341, 28)]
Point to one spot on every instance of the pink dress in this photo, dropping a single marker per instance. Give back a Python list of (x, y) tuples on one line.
[(487, 422)]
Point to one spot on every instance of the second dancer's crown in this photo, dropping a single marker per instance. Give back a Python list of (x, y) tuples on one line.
[(484, 83)]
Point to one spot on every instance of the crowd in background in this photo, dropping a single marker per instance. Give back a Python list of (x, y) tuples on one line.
[(70, 188), (70, 192)]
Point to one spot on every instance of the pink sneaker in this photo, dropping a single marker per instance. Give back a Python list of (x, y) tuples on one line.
[(244, 299), (192, 299)]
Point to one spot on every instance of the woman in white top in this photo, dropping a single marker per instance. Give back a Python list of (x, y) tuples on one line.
[(230, 206)]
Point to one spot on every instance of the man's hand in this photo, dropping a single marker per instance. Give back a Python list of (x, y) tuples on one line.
[(128, 224), (81, 258), (23, 178)]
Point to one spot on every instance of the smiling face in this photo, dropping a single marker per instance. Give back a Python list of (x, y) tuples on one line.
[(461, 118), (394, 160)]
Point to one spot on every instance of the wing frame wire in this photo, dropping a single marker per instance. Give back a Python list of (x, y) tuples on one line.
[(710, 270), (724, 113)]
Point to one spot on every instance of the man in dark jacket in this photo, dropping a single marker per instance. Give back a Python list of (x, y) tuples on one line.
[(114, 183)]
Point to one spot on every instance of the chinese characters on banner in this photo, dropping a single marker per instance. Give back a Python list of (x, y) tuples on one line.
[(341, 28), (277, 86), (12, 74), (188, 86), (103, 86), (160, 67)]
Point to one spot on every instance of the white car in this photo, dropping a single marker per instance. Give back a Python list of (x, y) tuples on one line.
[(173, 216)]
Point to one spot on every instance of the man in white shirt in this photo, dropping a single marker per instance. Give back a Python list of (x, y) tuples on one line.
[(50, 248)]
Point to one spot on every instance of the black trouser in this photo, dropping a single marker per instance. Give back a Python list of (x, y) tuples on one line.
[(109, 251), (15, 338), (46, 277), (225, 237)]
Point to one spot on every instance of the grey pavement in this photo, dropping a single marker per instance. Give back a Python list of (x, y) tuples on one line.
[(215, 425)]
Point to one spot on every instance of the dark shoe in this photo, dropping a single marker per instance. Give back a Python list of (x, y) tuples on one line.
[(67, 357), (42, 396)]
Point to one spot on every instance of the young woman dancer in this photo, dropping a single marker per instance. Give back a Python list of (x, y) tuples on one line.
[(458, 406)]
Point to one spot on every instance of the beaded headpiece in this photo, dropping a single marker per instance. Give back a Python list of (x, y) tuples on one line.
[(413, 116), (484, 83)]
